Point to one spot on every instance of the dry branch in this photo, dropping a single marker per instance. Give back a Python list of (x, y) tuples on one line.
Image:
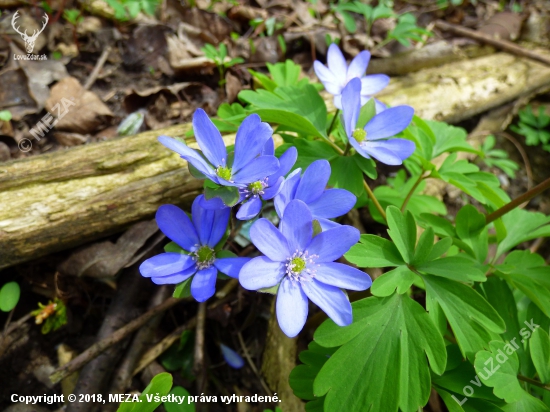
[(55, 201)]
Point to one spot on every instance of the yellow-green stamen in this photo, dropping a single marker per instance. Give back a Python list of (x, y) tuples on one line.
[(298, 265), (359, 135), (224, 172), (256, 187), (204, 256)]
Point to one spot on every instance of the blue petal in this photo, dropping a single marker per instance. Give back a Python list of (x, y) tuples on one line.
[(203, 285), (291, 307), (296, 225), (342, 276), (261, 272), (250, 209), (175, 278), (211, 224), (326, 224), (380, 107), (231, 266), (166, 264), (332, 203), (269, 240), (273, 189), (313, 181), (388, 123), (192, 156), (332, 84), (177, 226), (252, 136), (351, 105), (336, 63), (332, 244), (373, 83), (257, 169), (209, 139), (269, 148), (331, 300), (358, 65), (288, 192), (286, 161), (232, 358), (214, 203), (391, 152)]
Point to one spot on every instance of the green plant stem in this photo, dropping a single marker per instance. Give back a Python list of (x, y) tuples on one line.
[(538, 189), (534, 382), (348, 147), (409, 195), (333, 122), (374, 200)]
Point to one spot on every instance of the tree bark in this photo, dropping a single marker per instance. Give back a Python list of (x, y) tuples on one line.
[(63, 199)]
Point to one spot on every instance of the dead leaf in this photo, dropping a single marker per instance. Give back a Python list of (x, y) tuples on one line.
[(105, 259), (17, 98), (232, 86), (146, 47), (76, 109), (70, 139), (505, 26), (5, 154)]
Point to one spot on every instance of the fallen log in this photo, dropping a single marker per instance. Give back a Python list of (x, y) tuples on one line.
[(55, 201)]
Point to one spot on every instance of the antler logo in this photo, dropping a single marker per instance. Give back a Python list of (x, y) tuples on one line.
[(29, 40)]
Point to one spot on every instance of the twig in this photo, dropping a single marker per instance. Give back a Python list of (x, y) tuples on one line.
[(505, 45), (5, 332), (198, 362), (106, 343), (523, 155), (98, 66), (333, 121), (251, 363), (538, 189), (228, 287)]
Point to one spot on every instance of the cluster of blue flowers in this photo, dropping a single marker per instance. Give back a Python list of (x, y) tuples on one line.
[(295, 259)]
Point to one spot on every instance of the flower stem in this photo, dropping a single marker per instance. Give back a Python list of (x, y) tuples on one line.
[(348, 147), (534, 382), (374, 200), (409, 195), (333, 122), (538, 189)]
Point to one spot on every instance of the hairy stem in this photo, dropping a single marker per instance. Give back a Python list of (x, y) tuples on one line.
[(346, 151), (374, 200), (409, 195), (538, 189), (534, 382), (333, 122)]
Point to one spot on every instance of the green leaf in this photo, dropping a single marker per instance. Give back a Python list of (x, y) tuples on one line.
[(400, 278), (457, 267), (522, 225), (402, 230), (228, 194), (366, 165), (539, 344), (5, 115), (424, 247), (9, 296), (453, 403), (440, 225), (174, 406), (311, 150), (301, 108), (302, 376), (367, 112), (183, 289), (469, 315), (160, 385), (527, 271), (285, 74), (374, 252), (316, 227), (498, 369), (345, 174), (527, 403), (382, 349)]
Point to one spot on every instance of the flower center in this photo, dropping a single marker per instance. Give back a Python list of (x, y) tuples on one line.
[(255, 189), (224, 172), (301, 266), (204, 256), (359, 135)]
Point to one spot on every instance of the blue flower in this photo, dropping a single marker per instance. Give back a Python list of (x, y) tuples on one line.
[(337, 75), (197, 237), (232, 358), (368, 142), (304, 266), (246, 167), (310, 189)]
